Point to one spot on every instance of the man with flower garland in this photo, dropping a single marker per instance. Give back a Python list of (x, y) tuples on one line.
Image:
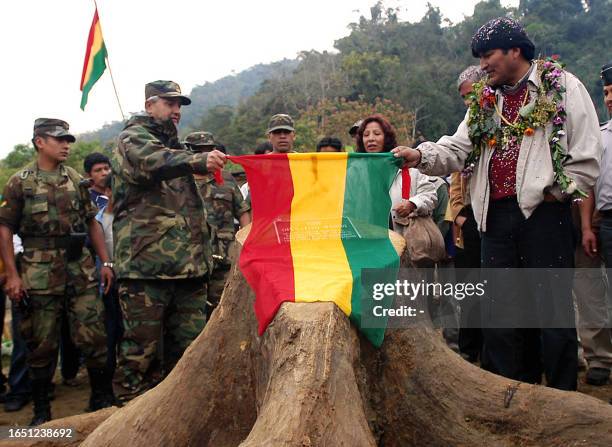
[(530, 142)]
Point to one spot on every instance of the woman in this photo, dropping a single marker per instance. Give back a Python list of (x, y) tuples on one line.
[(376, 135)]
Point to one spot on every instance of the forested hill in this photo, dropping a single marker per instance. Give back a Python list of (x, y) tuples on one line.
[(227, 91), (412, 68), (405, 70), (230, 90)]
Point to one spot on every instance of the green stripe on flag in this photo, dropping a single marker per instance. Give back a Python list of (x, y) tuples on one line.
[(99, 65), (369, 176)]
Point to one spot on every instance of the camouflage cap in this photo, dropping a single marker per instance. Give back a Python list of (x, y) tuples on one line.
[(280, 121), (355, 127), (53, 128), (165, 89), (200, 139)]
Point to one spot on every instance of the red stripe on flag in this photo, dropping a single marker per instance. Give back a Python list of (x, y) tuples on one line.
[(219, 177), (90, 39), (406, 183), (265, 259)]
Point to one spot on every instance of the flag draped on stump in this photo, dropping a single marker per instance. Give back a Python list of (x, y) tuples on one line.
[(95, 59), (318, 220)]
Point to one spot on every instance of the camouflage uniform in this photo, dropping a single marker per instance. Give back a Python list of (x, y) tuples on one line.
[(223, 203), (44, 210), (162, 244)]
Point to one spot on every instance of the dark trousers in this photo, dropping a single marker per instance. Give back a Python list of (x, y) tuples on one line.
[(70, 356), (18, 379), (113, 322), (605, 238), (467, 261), (2, 310), (538, 298)]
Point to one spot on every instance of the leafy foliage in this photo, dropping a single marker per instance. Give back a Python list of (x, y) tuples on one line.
[(330, 117), (406, 70)]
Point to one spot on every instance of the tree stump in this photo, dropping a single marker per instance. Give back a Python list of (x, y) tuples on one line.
[(312, 380)]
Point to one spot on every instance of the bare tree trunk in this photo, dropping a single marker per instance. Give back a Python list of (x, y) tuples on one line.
[(312, 380)]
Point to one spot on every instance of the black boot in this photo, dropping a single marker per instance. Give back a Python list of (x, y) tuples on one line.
[(102, 395), (40, 396), (96, 382), (109, 393)]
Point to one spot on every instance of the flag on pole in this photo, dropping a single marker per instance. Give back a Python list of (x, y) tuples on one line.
[(318, 220), (95, 59)]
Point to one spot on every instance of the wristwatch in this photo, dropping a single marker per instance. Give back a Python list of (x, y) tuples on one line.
[(108, 264)]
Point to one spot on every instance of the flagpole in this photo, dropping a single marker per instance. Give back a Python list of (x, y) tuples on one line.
[(110, 72)]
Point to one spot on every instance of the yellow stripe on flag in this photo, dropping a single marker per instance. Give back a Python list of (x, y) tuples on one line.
[(96, 46), (316, 221)]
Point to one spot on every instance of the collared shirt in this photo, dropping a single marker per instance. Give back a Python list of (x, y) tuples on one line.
[(534, 171), (503, 161), (604, 182), (98, 198)]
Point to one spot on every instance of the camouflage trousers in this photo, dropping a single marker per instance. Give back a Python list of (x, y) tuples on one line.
[(161, 318), (216, 284), (41, 327)]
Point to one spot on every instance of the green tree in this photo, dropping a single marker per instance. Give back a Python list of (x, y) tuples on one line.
[(333, 118), (21, 155)]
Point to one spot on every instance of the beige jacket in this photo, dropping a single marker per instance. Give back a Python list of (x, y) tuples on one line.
[(422, 193), (458, 198), (534, 171)]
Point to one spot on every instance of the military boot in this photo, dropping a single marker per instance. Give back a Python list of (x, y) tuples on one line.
[(109, 393), (96, 382), (42, 406), (102, 395)]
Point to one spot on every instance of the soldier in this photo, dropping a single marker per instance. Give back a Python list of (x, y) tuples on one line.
[(223, 203), (162, 242), (281, 133), (596, 234), (49, 208), (281, 136)]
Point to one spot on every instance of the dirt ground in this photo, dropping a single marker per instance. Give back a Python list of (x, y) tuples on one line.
[(73, 400), (69, 400)]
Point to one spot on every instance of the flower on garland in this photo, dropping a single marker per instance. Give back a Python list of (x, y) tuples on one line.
[(488, 99), (546, 107)]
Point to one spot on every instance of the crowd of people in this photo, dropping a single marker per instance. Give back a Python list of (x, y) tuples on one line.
[(120, 271)]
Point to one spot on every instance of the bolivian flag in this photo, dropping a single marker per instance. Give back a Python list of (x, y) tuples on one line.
[(318, 220), (95, 59)]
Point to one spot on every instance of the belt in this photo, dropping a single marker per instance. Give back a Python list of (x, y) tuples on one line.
[(548, 197), (605, 213), (46, 243)]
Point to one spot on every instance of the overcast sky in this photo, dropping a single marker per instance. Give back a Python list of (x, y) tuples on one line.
[(43, 45)]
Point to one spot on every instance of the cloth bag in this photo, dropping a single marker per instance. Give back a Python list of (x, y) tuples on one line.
[(424, 242)]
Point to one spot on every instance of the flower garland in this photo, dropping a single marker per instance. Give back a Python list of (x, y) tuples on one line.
[(547, 107)]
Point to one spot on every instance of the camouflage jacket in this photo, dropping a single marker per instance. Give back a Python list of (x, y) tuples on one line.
[(160, 227), (36, 208), (223, 203)]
